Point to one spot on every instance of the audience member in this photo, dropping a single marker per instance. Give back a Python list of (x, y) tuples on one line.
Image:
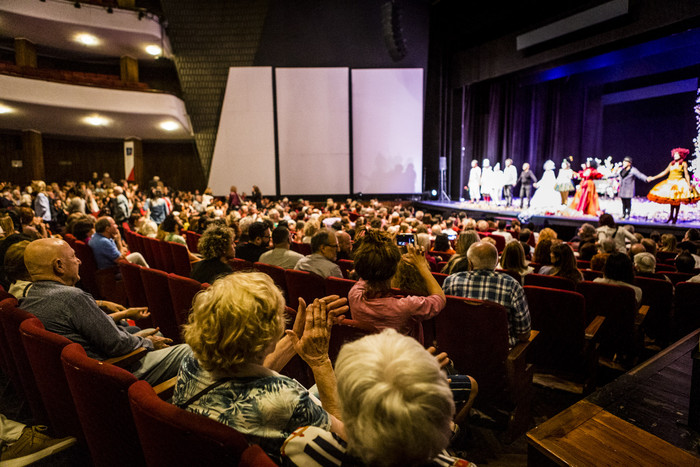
[(685, 262), (236, 333), (513, 260), (464, 241), (483, 283), (281, 255), (257, 244), (15, 270), (586, 251), (609, 231), (321, 261), (108, 247), (372, 301), (563, 263), (73, 313), (541, 255), (619, 270), (669, 243), (217, 247), (383, 377), (25, 445), (598, 261)]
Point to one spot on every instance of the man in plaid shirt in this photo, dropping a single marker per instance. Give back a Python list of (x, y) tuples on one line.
[(483, 283)]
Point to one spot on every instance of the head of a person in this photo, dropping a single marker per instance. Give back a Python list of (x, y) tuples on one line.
[(649, 245), (562, 257), (679, 154), (619, 267), (442, 243), (483, 255), (636, 249), (606, 220), (645, 262), (217, 242), (106, 227), (627, 162), (84, 228), (565, 164), (52, 259), (15, 269), (465, 240), (542, 252), (549, 165), (170, 224), (668, 242), (324, 242), (237, 320), (376, 258), (395, 400), (258, 233), (692, 235), (526, 167), (482, 225), (513, 257), (310, 228), (587, 250), (685, 262), (280, 237), (607, 245), (547, 234)]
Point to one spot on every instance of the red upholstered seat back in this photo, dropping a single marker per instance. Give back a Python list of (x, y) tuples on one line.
[(658, 294), (131, 276), (276, 273), (166, 256), (181, 259), (99, 391), (155, 285), (303, 284), (552, 282), (88, 267), (338, 286), (44, 354), (347, 331), (173, 436), (182, 292), (192, 238), (21, 371)]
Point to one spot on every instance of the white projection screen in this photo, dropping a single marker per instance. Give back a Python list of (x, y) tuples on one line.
[(313, 130), (244, 153), (387, 130)]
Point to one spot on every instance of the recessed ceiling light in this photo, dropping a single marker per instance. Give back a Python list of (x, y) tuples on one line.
[(87, 39), (96, 120), (5, 109), (154, 50), (170, 125)]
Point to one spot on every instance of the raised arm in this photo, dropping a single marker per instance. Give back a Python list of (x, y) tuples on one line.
[(665, 172)]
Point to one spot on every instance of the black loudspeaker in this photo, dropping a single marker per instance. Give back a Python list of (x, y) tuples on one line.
[(391, 27)]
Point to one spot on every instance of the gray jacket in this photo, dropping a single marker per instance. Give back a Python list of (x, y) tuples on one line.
[(627, 182)]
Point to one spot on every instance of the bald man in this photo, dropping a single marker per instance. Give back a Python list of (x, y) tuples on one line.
[(66, 310), (482, 282)]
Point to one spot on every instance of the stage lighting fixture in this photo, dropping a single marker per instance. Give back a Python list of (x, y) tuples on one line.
[(433, 192)]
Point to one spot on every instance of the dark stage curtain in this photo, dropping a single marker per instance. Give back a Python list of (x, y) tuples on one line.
[(526, 122)]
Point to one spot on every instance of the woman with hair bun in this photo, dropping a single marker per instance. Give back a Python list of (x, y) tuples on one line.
[(372, 301), (676, 189)]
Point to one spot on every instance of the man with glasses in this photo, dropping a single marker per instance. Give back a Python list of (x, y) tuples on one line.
[(257, 244), (324, 248)]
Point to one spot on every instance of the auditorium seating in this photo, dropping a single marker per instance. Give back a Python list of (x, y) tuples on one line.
[(102, 283), (133, 285), (172, 436), (303, 284), (565, 352), (276, 273), (192, 239), (155, 284), (346, 265), (474, 333), (553, 282), (657, 294), (347, 331), (166, 256), (181, 259), (301, 248), (338, 286), (21, 372), (182, 292)]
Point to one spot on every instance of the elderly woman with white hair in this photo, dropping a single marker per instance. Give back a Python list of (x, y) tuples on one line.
[(235, 331), (396, 404)]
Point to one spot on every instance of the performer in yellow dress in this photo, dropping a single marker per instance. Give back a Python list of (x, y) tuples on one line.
[(676, 189)]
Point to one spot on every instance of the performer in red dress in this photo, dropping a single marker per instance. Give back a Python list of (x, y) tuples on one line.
[(676, 189), (586, 198)]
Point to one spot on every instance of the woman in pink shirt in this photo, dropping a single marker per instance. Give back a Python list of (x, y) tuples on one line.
[(372, 301)]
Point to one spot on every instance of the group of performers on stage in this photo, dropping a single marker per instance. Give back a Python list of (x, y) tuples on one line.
[(552, 192)]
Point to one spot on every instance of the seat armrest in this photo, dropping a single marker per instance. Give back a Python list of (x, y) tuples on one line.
[(166, 389), (594, 327), (516, 364), (125, 361), (641, 314)]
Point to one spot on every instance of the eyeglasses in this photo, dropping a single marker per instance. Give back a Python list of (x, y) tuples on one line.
[(335, 245)]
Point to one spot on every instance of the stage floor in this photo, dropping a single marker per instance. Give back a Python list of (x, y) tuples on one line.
[(646, 216)]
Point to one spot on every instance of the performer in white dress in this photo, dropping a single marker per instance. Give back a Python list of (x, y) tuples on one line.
[(475, 181), (546, 196), (486, 180), (564, 184), (497, 188)]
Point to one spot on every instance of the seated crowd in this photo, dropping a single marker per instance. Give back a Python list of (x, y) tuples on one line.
[(235, 340)]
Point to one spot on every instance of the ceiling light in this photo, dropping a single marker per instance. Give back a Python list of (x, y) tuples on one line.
[(170, 125), (87, 39), (96, 120), (5, 109), (154, 50)]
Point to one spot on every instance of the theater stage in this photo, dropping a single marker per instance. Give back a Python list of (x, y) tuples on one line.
[(646, 216)]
